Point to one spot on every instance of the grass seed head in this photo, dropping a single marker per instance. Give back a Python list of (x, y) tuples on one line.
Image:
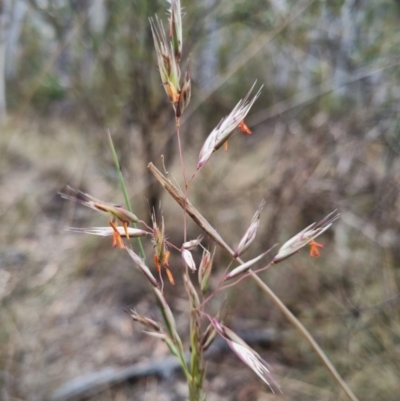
[(145, 321), (184, 95), (226, 126), (190, 245), (246, 354), (208, 148), (251, 232), (188, 258), (109, 231), (306, 236), (236, 116), (168, 65), (205, 268), (244, 267), (113, 210), (160, 248)]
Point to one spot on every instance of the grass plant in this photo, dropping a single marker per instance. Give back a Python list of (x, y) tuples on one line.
[(203, 326)]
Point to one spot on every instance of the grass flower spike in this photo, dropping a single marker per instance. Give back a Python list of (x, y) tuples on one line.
[(161, 254), (184, 95), (251, 232), (246, 266), (246, 354), (168, 65), (205, 268), (189, 245), (149, 323), (169, 54), (208, 148), (109, 231), (188, 258), (305, 237), (226, 126), (116, 212)]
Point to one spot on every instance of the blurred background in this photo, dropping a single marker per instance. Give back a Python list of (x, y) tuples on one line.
[(325, 136)]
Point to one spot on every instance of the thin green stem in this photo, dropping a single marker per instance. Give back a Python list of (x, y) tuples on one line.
[(123, 188)]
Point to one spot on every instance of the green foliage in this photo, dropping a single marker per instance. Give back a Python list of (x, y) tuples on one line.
[(50, 91)]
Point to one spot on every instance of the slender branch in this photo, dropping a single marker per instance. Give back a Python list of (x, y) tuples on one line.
[(206, 226)]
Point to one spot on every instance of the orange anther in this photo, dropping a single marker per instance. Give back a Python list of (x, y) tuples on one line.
[(117, 240), (114, 243), (170, 277), (157, 263), (166, 258), (314, 251), (125, 225), (244, 128)]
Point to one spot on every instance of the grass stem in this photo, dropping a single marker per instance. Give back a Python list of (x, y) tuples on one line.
[(123, 188)]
